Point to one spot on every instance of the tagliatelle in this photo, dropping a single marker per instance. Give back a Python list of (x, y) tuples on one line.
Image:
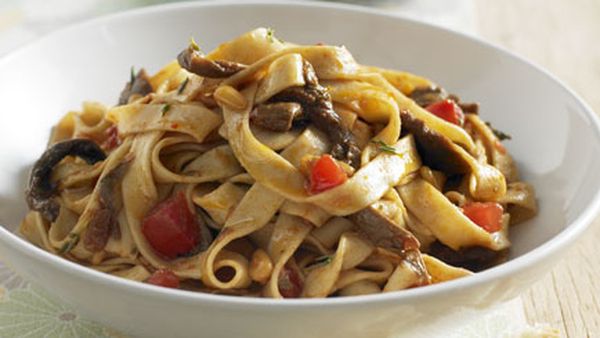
[(266, 168), (191, 119), (444, 219), (272, 170)]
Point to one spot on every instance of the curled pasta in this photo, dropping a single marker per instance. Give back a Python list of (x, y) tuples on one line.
[(266, 168)]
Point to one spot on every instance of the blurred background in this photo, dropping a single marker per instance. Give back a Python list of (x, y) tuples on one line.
[(24, 20), (560, 35)]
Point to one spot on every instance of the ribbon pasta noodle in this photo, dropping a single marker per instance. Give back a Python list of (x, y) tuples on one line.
[(266, 168)]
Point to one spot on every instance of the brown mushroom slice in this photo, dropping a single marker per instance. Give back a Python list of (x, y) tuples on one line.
[(425, 96), (475, 258), (138, 86), (318, 108), (276, 116), (103, 222), (486, 183), (469, 107), (382, 231), (436, 150), (197, 63), (466, 107), (386, 234), (40, 191)]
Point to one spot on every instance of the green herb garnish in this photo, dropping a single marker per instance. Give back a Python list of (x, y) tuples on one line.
[(194, 45), (132, 75), (165, 109), (69, 244), (323, 260), (271, 36), (499, 134), (183, 85), (386, 147)]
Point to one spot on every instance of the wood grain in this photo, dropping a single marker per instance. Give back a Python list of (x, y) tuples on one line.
[(563, 37)]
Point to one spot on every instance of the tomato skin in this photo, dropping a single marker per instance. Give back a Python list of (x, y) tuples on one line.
[(447, 110), (326, 174), (289, 283), (165, 278), (487, 215), (112, 138), (171, 228)]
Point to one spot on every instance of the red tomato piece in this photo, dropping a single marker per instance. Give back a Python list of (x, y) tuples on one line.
[(165, 278), (486, 215), (290, 284), (112, 138), (171, 228), (447, 110), (326, 174)]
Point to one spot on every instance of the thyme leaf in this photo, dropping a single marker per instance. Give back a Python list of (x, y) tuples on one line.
[(323, 260), (386, 147), (70, 243), (194, 45), (271, 36), (499, 134), (132, 75), (165, 109), (183, 85)]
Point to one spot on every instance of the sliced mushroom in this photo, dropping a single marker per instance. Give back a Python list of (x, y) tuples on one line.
[(474, 258), (384, 233), (40, 191), (435, 149), (428, 95), (469, 107), (425, 96), (466, 107), (195, 62), (276, 116), (317, 106), (103, 223), (139, 86)]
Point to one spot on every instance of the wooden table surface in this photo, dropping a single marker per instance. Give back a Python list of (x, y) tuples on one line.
[(564, 38)]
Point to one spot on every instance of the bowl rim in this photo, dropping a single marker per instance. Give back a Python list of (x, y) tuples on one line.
[(559, 241)]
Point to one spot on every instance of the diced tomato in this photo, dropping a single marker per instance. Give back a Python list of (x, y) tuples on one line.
[(290, 284), (171, 228), (112, 138), (326, 174), (165, 278), (486, 215), (448, 110)]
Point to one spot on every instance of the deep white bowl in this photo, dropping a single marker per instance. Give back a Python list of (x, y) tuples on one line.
[(556, 142)]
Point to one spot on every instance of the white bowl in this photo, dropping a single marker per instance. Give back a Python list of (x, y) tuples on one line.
[(555, 141)]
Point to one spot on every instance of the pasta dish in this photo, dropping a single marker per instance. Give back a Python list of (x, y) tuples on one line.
[(271, 169)]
